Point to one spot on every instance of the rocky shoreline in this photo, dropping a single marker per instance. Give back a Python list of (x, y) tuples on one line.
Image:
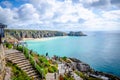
[(86, 69)]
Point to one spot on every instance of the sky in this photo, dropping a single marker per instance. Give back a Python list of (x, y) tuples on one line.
[(63, 15)]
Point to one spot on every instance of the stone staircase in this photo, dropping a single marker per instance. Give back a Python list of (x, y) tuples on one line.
[(23, 63)]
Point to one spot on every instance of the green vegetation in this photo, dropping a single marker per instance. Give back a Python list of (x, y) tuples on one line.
[(20, 48), (40, 62), (31, 58), (8, 45), (52, 69), (68, 77), (64, 58), (82, 75), (18, 74)]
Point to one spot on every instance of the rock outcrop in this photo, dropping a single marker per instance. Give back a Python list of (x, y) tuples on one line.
[(79, 65), (79, 33)]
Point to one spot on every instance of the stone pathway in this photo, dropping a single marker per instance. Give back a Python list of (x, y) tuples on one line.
[(61, 68), (50, 76)]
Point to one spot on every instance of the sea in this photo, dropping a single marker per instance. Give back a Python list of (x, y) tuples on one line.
[(99, 49)]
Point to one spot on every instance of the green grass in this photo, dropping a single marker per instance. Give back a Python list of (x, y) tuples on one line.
[(82, 75), (17, 73)]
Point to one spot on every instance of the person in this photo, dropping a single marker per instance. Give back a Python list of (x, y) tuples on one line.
[(0, 39), (58, 71), (47, 54), (55, 75), (30, 51)]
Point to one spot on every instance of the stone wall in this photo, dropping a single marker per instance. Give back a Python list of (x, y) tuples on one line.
[(2, 62)]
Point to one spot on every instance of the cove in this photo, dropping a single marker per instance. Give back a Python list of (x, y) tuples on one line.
[(101, 50)]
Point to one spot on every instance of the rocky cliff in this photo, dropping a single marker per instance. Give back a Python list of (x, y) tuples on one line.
[(19, 34)]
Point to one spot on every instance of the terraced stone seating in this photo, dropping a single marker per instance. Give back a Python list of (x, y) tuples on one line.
[(23, 63)]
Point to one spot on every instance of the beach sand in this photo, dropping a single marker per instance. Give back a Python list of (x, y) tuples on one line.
[(42, 39)]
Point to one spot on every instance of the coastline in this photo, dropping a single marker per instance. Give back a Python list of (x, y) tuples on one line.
[(42, 39)]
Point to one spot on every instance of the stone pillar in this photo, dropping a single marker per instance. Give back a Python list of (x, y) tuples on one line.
[(2, 62)]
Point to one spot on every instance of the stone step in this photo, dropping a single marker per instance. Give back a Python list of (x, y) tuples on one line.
[(26, 67), (17, 59), (36, 77), (31, 71), (17, 56), (14, 54), (23, 65), (27, 62), (33, 74), (17, 62)]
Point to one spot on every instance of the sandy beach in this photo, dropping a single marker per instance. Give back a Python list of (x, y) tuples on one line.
[(42, 39)]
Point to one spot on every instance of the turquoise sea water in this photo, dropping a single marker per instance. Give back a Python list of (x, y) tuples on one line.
[(101, 50)]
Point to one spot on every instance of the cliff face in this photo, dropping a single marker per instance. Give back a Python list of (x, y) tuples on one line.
[(19, 34)]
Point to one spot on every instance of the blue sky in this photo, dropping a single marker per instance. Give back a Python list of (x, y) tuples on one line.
[(62, 15)]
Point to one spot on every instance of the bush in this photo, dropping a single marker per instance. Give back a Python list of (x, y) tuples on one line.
[(8, 45), (32, 60), (26, 52), (20, 48), (40, 70), (43, 62), (52, 69), (64, 58)]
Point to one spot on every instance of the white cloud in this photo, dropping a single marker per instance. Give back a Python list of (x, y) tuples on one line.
[(28, 13), (6, 4), (112, 15), (7, 16), (60, 15)]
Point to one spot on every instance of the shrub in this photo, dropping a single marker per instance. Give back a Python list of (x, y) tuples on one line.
[(52, 69), (43, 62), (40, 70), (20, 48), (8, 45), (26, 53), (64, 58), (32, 60)]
